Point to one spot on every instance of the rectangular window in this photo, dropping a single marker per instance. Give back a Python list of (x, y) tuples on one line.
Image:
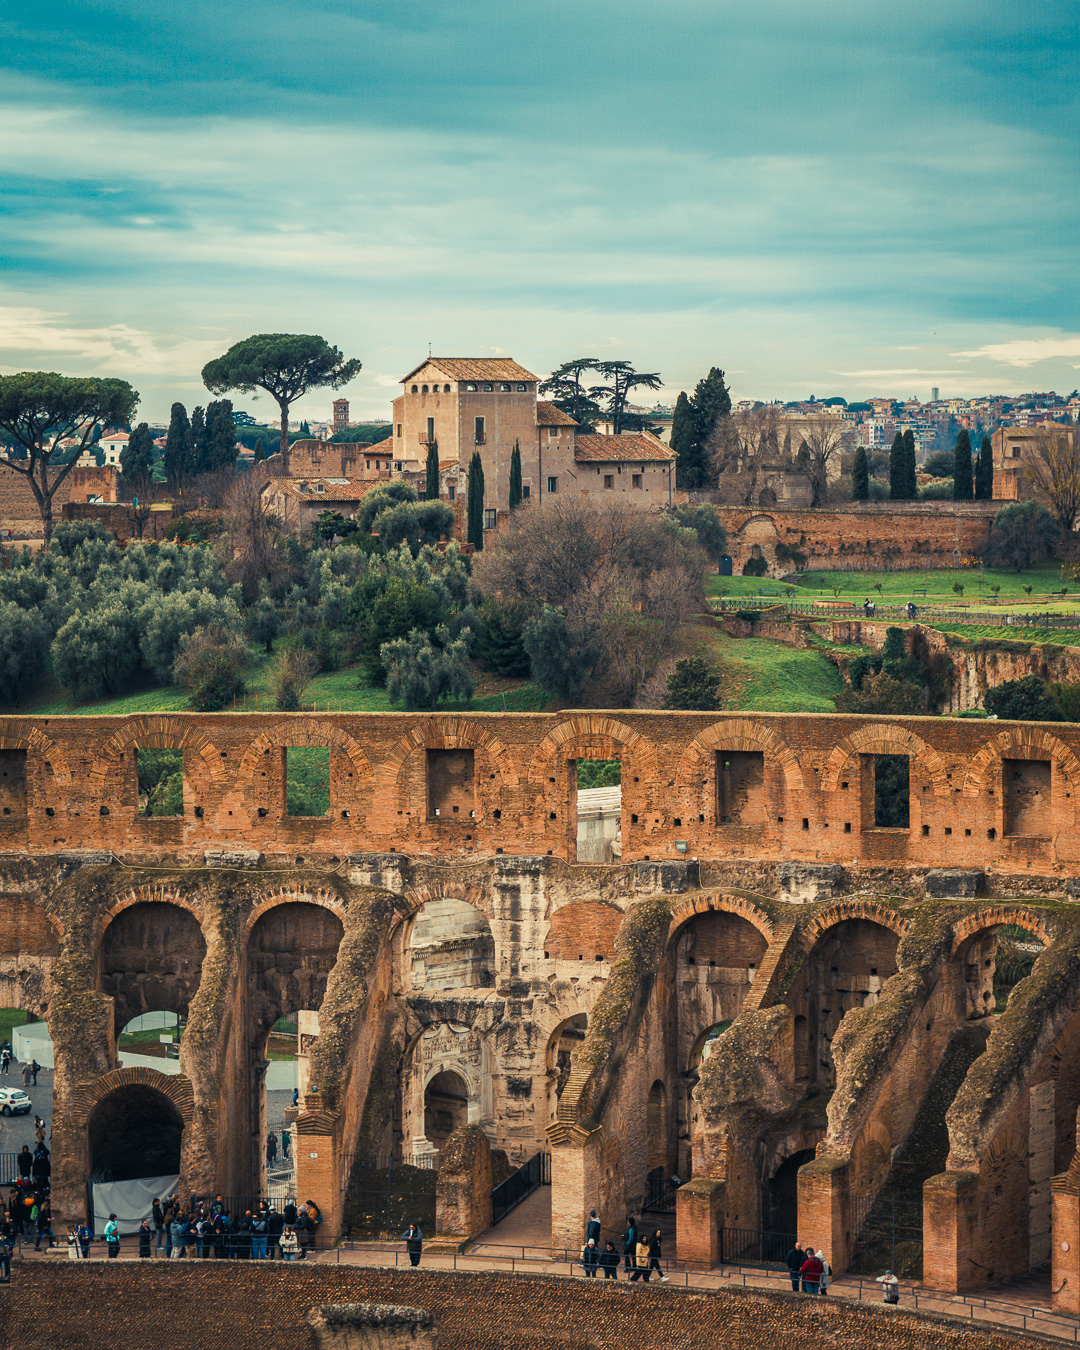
[(13, 782), (161, 782), (430, 430), (552, 432), (479, 431), (399, 428), (609, 480), (525, 491), (451, 789), (553, 484), (740, 787), (451, 491), (307, 780), (491, 518), (886, 792), (635, 480), (599, 810), (1027, 796)]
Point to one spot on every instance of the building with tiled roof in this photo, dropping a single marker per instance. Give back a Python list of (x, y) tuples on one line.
[(634, 464), (298, 502), (627, 446), (548, 415), (469, 368)]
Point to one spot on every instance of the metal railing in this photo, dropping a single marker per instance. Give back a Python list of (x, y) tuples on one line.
[(755, 1247), (851, 609), (660, 1196), (519, 1185)]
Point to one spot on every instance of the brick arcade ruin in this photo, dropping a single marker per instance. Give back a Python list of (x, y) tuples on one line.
[(778, 993)]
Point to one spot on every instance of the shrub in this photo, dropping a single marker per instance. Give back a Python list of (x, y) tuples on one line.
[(707, 523), (420, 672), (1023, 534), (97, 653), (941, 490), (1026, 700), (882, 694), (296, 669), (694, 685), (415, 524), (210, 665), (755, 567)]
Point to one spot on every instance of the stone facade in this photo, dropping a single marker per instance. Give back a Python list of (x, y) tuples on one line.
[(769, 995)]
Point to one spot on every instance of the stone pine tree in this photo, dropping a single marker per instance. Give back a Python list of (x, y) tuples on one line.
[(683, 440), (137, 461), (897, 470), (179, 457), (860, 476), (984, 472), (474, 513), (431, 486), (515, 476), (962, 467), (911, 486)]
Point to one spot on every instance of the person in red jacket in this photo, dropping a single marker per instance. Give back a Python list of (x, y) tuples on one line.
[(811, 1271)]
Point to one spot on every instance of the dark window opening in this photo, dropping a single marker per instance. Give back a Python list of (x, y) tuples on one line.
[(886, 792), (13, 782), (451, 790), (740, 787)]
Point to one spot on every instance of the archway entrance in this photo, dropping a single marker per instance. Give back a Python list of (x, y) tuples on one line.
[(134, 1132), (446, 1107), (780, 1203)]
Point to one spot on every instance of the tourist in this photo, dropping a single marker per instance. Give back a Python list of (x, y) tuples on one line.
[(41, 1167), (27, 1074), (73, 1244), (811, 1272), (275, 1226), (271, 1149), (259, 1230), (5, 1256), (112, 1237), (176, 1233), (145, 1237), (641, 1261), (289, 1245), (629, 1245), (5, 1060), (286, 1144), (25, 1161), (794, 1262), (302, 1229), (592, 1228), (39, 1130), (826, 1274), (44, 1226), (590, 1258), (654, 1256), (414, 1243), (891, 1287), (242, 1239), (35, 1069), (158, 1219), (296, 1097), (289, 1212), (84, 1235), (609, 1261)]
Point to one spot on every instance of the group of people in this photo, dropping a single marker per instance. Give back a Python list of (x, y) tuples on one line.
[(811, 1273), (641, 1253), (28, 1213), (30, 1069), (272, 1147)]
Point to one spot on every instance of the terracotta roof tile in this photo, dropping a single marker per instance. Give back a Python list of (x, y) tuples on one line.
[(475, 368), (632, 445), (338, 491), (547, 415), (379, 448)]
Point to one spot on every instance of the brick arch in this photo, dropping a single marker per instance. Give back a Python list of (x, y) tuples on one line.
[(1008, 1144), (799, 1142), (872, 1135), (326, 899), (443, 732), (1022, 916), (740, 733), (302, 731), (176, 1087), (885, 738), (151, 893), (1027, 742), (17, 735), (477, 896), (588, 732), (870, 910), (154, 732), (686, 910)]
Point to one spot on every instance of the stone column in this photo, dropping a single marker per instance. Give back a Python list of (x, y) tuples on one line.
[(575, 1189), (950, 1225), (699, 1211), (318, 1165), (371, 1326), (824, 1209)]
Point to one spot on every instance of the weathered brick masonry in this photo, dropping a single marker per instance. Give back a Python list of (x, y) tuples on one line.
[(462, 969), (192, 1307)]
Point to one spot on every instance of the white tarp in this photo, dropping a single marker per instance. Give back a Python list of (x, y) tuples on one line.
[(130, 1201), (32, 1041)]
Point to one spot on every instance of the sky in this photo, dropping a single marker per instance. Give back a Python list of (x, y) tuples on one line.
[(853, 197)]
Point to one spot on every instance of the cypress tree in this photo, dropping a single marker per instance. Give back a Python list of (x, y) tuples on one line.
[(515, 476), (137, 460), (911, 486), (178, 448), (431, 486), (897, 471), (860, 476), (198, 453), (219, 441), (260, 450), (711, 401), (305, 430), (962, 468), (683, 438), (984, 472), (474, 514)]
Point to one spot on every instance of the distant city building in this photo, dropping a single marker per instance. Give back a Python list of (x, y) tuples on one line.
[(341, 415)]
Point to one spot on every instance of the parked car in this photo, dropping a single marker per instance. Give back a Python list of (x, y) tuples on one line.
[(14, 1102)]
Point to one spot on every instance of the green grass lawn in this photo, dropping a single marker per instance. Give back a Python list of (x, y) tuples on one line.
[(768, 676), (975, 632), (938, 584)]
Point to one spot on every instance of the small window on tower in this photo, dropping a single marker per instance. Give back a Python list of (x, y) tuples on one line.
[(487, 388), (553, 484), (451, 492), (521, 388), (446, 388), (635, 480), (415, 389), (424, 389), (504, 388), (553, 431), (525, 492), (609, 480), (491, 518)]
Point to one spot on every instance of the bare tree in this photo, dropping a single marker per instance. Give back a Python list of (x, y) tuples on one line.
[(1051, 474), (742, 446), (252, 546), (822, 440)]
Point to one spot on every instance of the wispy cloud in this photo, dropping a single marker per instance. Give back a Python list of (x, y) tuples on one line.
[(1026, 351)]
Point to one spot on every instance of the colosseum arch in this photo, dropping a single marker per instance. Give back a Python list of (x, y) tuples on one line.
[(21, 736), (992, 916), (844, 910), (442, 765), (153, 893), (881, 738), (443, 733), (327, 899), (153, 732), (738, 734), (1028, 742), (307, 731), (593, 736), (687, 910)]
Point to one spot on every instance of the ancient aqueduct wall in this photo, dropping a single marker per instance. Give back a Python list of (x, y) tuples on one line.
[(437, 922)]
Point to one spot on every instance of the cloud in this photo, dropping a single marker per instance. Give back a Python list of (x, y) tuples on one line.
[(889, 374), (36, 333), (1026, 351)]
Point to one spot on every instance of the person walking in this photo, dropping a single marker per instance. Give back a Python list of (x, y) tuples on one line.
[(146, 1235), (44, 1226), (592, 1228), (609, 1262), (289, 1245), (39, 1130), (654, 1256), (811, 1272), (629, 1245), (794, 1262), (5, 1060), (826, 1274), (414, 1243), (286, 1145), (891, 1287), (25, 1161), (35, 1069), (27, 1074), (590, 1259), (271, 1149), (641, 1261), (112, 1237), (84, 1240), (158, 1219)]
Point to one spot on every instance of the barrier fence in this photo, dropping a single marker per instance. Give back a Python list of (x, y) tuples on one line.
[(519, 1185), (766, 605)]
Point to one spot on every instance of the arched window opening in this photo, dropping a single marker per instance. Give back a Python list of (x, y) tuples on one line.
[(566, 1039), (446, 1107), (599, 810), (134, 1132), (151, 961), (780, 1203), (995, 961), (451, 947)]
